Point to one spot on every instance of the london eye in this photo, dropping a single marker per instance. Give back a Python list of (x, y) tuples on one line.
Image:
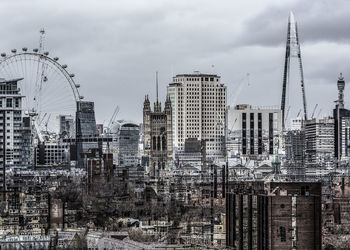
[(48, 89)]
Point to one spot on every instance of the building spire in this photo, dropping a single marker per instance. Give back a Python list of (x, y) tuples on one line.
[(157, 84)]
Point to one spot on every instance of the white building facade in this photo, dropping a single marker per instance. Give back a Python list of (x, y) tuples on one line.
[(252, 131), (198, 111), (319, 141), (10, 122)]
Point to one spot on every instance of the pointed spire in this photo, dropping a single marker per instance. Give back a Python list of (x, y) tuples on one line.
[(157, 84), (291, 18), (157, 104)]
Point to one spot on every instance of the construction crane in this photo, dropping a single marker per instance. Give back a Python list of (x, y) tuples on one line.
[(313, 112), (241, 84), (111, 121), (299, 113), (285, 119), (319, 112), (47, 122), (42, 119), (233, 125)]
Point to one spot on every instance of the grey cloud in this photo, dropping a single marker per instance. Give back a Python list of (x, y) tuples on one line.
[(317, 21), (115, 47)]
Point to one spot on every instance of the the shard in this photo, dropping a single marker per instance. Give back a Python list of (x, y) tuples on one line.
[(292, 50)]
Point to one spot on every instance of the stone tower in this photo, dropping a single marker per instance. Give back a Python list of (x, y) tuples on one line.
[(158, 144)]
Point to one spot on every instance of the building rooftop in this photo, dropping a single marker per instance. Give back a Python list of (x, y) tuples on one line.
[(196, 74), (2, 80), (250, 107)]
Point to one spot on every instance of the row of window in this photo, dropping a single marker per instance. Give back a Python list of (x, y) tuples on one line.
[(196, 79)]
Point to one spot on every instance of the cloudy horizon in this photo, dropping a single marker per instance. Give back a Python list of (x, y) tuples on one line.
[(115, 47)]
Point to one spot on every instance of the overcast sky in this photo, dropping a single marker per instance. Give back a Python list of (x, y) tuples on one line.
[(114, 47)]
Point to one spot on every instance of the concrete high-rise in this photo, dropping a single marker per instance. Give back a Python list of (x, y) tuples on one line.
[(319, 141), (295, 147), (128, 138), (10, 126), (252, 130), (198, 111)]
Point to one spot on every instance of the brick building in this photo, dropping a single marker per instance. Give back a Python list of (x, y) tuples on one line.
[(273, 215)]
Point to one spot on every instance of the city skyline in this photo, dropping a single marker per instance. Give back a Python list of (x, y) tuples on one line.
[(118, 46)]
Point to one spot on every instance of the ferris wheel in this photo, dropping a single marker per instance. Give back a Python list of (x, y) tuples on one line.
[(48, 88)]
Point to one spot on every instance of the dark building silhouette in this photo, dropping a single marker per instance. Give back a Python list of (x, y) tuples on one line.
[(128, 138), (86, 130), (341, 124), (274, 215), (295, 147)]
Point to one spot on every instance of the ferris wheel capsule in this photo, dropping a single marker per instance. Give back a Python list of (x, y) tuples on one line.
[(56, 58), (24, 49), (13, 50), (71, 75), (35, 50), (64, 66), (78, 86), (46, 53), (3, 54), (81, 97)]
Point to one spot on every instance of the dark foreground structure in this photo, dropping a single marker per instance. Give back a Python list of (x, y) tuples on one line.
[(273, 215)]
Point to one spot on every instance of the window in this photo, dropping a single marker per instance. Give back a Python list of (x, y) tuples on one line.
[(9, 103), (283, 234)]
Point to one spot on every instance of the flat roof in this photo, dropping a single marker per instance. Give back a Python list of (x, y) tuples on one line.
[(197, 75), (2, 80)]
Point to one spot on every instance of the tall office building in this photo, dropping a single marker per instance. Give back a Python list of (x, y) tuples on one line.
[(27, 148), (66, 126), (319, 141), (157, 128), (295, 147), (86, 130), (198, 111), (252, 131), (10, 126), (128, 138), (341, 124)]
